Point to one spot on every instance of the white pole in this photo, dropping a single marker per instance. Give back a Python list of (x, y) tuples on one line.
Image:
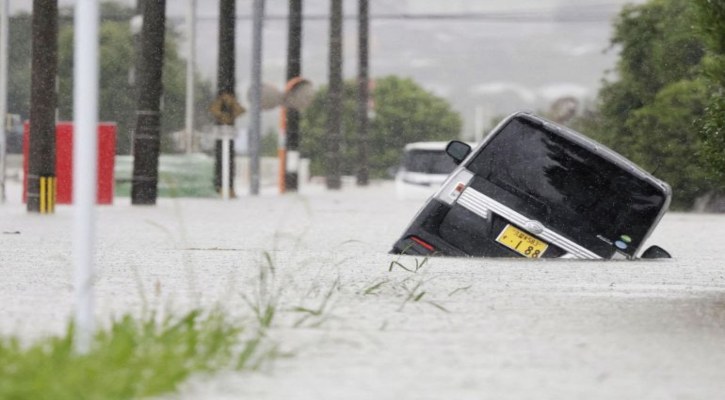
[(85, 163), (225, 164), (4, 10), (190, 62)]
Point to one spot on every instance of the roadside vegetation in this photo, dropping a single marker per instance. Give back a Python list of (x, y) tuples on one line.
[(138, 357), (132, 358), (117, 91), (403, 112), (180, 175), (662, 107)]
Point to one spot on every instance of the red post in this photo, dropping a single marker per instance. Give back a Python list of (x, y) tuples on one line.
[(64, 161)]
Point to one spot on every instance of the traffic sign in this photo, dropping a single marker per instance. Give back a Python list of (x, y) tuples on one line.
[(226, 109)]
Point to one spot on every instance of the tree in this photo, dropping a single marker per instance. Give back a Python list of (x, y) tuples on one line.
[(648, 114), (404, 113), (116, 97), (671, 117), (711, 19), (19, 47)]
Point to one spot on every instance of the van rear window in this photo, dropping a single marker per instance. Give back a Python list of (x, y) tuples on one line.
[(428, 162), (570, 189)]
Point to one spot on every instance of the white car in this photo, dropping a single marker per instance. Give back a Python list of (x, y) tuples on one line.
[(424, 167)]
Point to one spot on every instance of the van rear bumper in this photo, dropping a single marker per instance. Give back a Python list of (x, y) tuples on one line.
[(423, 235)]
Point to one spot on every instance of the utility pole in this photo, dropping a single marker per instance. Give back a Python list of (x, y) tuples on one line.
[(362, 89), (135, 25), (224, 148), (334, 97), (292, 116), (43, 100), (256, 92), (147, 138), (4, 20), (190, 62)]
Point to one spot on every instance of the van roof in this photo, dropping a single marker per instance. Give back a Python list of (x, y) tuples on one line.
[(429, 146), (426, 146)]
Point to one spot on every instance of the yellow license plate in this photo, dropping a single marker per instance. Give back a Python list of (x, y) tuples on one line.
[(521, 242)]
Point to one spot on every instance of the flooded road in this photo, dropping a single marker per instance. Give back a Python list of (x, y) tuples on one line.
[(425, 329)]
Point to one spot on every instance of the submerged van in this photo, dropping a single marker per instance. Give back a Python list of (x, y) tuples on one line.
[(535, 189), (423, 168)]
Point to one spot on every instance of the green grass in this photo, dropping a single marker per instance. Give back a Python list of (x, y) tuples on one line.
[(415, 293), (132, 358), (180, 175)]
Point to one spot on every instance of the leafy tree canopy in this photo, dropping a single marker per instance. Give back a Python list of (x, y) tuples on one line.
[(19, 61), (117, 95), (404, 113), (711, 22), (649, 112)]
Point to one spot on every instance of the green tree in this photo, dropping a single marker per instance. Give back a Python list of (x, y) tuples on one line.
[(19, 61), (667, 151), (269, 142), (711, 22), (648, 114), (404, 112), (117, 97)]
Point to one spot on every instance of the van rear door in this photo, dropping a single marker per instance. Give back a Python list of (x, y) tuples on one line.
[(585, 195)]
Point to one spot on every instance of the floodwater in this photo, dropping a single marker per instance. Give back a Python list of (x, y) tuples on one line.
[(480, 328)]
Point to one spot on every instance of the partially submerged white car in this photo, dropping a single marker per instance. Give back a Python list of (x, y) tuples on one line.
[(423, 168)]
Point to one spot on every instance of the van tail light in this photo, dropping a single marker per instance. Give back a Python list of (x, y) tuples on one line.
[(454, 186), (456, 191), (423, 243), (460, 186)]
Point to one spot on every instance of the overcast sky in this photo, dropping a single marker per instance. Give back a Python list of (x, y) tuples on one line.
[(516, 54)]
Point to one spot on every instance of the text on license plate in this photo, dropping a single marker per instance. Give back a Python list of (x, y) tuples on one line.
[(522, 242)]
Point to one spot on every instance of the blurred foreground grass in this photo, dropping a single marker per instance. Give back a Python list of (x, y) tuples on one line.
[(180, 175), (133, 358)]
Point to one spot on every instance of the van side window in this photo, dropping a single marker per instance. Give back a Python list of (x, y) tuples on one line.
[(428, 162)]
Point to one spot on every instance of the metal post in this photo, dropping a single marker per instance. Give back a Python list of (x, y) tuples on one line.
[(256, 96), (282, 149), (147, 140), (43, 100), (225, 87), (291, 116), (85, 164), (334, 97), (190, 62), (4, 10), (362, 101), (226, 141)]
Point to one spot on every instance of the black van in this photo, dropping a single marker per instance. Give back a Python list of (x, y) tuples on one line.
[(535, 189)]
